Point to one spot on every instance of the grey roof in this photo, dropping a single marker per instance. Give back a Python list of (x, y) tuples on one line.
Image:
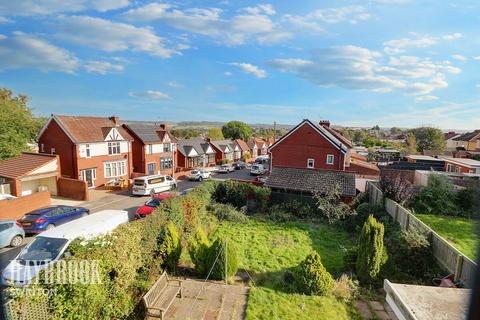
[(186, 145), (310, 180), (222, 144), (145, 131), (467, 136)]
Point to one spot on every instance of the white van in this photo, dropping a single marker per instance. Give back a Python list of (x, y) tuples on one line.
[(51, 245), (150, 185), (258, 169)]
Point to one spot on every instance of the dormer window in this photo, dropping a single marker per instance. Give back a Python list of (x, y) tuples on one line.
[(114, 148)]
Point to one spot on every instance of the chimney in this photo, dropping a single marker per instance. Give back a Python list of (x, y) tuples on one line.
[(115, 120), (208, 140), (324, 123), (162, 126)]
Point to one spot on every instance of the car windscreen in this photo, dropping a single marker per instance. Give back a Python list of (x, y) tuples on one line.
[(42, 249), (255, 167), (194, 172), (153, 203), (138, 182)]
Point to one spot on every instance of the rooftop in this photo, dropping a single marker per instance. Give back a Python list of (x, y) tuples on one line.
[(24, 164), (468, 136), (463, 161), (422, 157), (148, 132)]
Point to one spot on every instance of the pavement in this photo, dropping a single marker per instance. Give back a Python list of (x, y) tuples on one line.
[(115, 200)]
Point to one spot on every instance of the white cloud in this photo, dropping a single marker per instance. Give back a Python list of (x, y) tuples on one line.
[(359, 68), (25, 51), (102, 67), (250, 68), (227, 74), (174, 84), (426, 98), (150, 94), (209, 22), (110, 36), (221, 88), (4, 20), (459, 57), (391, 1), (416, 41), (260, 9), (478, 85), (477, 58), (49, 7)]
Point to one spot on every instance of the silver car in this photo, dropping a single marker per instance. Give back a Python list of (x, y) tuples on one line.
[(11, 233), (199, 175)]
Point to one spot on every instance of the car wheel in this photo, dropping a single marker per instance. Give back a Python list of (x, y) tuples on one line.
[(50, 227), (84, 214), (174, 186), (16, 241), (200, 179)]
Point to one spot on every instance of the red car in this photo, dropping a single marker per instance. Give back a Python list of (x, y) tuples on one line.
[(152, 204)]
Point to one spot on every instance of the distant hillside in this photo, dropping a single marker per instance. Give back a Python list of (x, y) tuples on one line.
[(210, 124)]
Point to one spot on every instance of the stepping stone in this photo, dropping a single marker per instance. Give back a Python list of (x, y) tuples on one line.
[(382, 315), (376, 306), (364, 309)]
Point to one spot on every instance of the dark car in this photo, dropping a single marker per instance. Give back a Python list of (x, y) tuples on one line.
[(239, 165), (50, 217)]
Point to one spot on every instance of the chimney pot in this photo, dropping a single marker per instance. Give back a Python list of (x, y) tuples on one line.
[(162, 126), (115, 120), (324, 123)]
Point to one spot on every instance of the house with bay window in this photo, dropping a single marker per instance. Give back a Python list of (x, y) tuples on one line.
[(94, 149), (195, 153), (153, 148), (226, 150)]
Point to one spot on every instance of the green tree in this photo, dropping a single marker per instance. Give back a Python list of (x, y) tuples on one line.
[(411, 144), (185, 133), (222, 256), (437, 197), (429, 138), (18, 125), (395, 130), (215, 134), (371, 252), (331, 206), (312, 277), (170, 247), (198, 250), (237, 130)]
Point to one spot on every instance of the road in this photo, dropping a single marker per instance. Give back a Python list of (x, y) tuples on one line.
[(121, 201)]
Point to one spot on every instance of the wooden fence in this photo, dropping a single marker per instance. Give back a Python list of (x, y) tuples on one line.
[(447, 255)]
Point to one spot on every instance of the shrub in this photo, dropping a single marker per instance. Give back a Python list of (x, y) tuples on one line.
[(397, 188), (170, 247), (237, 193), (437, 197), (312, 277), (350, 259), (331, 206), (465, 202), (221, 254), (345, 289), (227, 212), (371, 252), (198, 250)]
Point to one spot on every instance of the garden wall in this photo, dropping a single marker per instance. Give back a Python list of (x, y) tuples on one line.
[(447, 255), (16, 208)]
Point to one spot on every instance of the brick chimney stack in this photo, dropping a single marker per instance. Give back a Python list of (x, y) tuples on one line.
[(324, 123), (115, 120), (163, 127)]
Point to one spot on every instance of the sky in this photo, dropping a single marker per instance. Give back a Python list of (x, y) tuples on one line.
[(356, 63)]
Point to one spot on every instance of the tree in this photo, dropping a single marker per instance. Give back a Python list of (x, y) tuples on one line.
[(436, 197), (396, 188), (185, 133), (18, 125), (331, 206), (198, 250), (312, 277), (371, 252), (411, 144), (429, 138), (170, 248), (395, 130), (215, 134), (222, 256), (237, 130)]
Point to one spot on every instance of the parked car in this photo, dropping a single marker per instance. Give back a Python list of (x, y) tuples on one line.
[(50, 217), (239, 165), (11, 233), (262, 159), (152, 204), (257, 169), (225, 168), (149, 185), (52, 245), (7, 197), (199, 175)]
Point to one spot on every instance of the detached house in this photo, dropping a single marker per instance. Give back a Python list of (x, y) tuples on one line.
[(153, 148), (258, 147), (226, 150), (194, 153), (470, 141), (94, 149), (244, 149)]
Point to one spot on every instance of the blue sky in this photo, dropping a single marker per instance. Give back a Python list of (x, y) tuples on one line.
[(359, 63)]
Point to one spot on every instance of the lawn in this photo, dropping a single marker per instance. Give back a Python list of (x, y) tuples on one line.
[(460, 232), (267, 250)]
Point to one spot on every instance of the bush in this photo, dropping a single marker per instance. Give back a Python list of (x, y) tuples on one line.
[(312, 277), (398, 189), (345, 289), (220, 253), (237, 193), (354, 222), (227, 212), (437, 197), (331, 206), (371, 252), (198, 250), (170, 248), (465, 202)]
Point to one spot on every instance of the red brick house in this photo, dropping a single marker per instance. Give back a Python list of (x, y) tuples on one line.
[(195, 153), (225, 150), (258, 147), (93, 149), (244, 149), (462, 165), (153, 148)]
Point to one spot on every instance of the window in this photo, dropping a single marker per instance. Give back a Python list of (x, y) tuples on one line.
[(167, 147), (87, 150), (114, 148), (166, 163), (150, 149), (151, 168), (42, 147), (330, 158), (449, 167), (115, 169), (52, 151), (310, 163), (211, 158), (156, 180)]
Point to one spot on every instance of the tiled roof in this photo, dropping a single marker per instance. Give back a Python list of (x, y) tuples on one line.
[(450, 135), (357, 156), (186, 145), (339, 136), (243, 145), (89, 129), (148, 132), (309, 180), (363, 164), (25, 163), (223, 144), (468, 136)]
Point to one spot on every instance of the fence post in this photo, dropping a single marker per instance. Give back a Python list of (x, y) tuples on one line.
[(407, 223), (397, 208), (458, 267)]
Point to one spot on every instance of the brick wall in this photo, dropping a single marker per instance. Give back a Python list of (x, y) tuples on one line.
[(17, 208), (72, 188)]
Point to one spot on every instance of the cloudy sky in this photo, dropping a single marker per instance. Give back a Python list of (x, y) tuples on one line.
[(388, 62)]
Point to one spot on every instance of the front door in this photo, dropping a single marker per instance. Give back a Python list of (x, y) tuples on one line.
[(88, 175), (151, 168)]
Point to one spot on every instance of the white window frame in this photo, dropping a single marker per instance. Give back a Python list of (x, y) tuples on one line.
[(53, 151), (449, 167), (114, 148), (150, 149), (115, 169), (88, 151), (42, 147), (332, 157), (154, 167), (312, 161)]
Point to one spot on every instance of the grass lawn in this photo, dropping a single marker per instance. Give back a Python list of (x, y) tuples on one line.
[(460, 232), (266, 250)]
